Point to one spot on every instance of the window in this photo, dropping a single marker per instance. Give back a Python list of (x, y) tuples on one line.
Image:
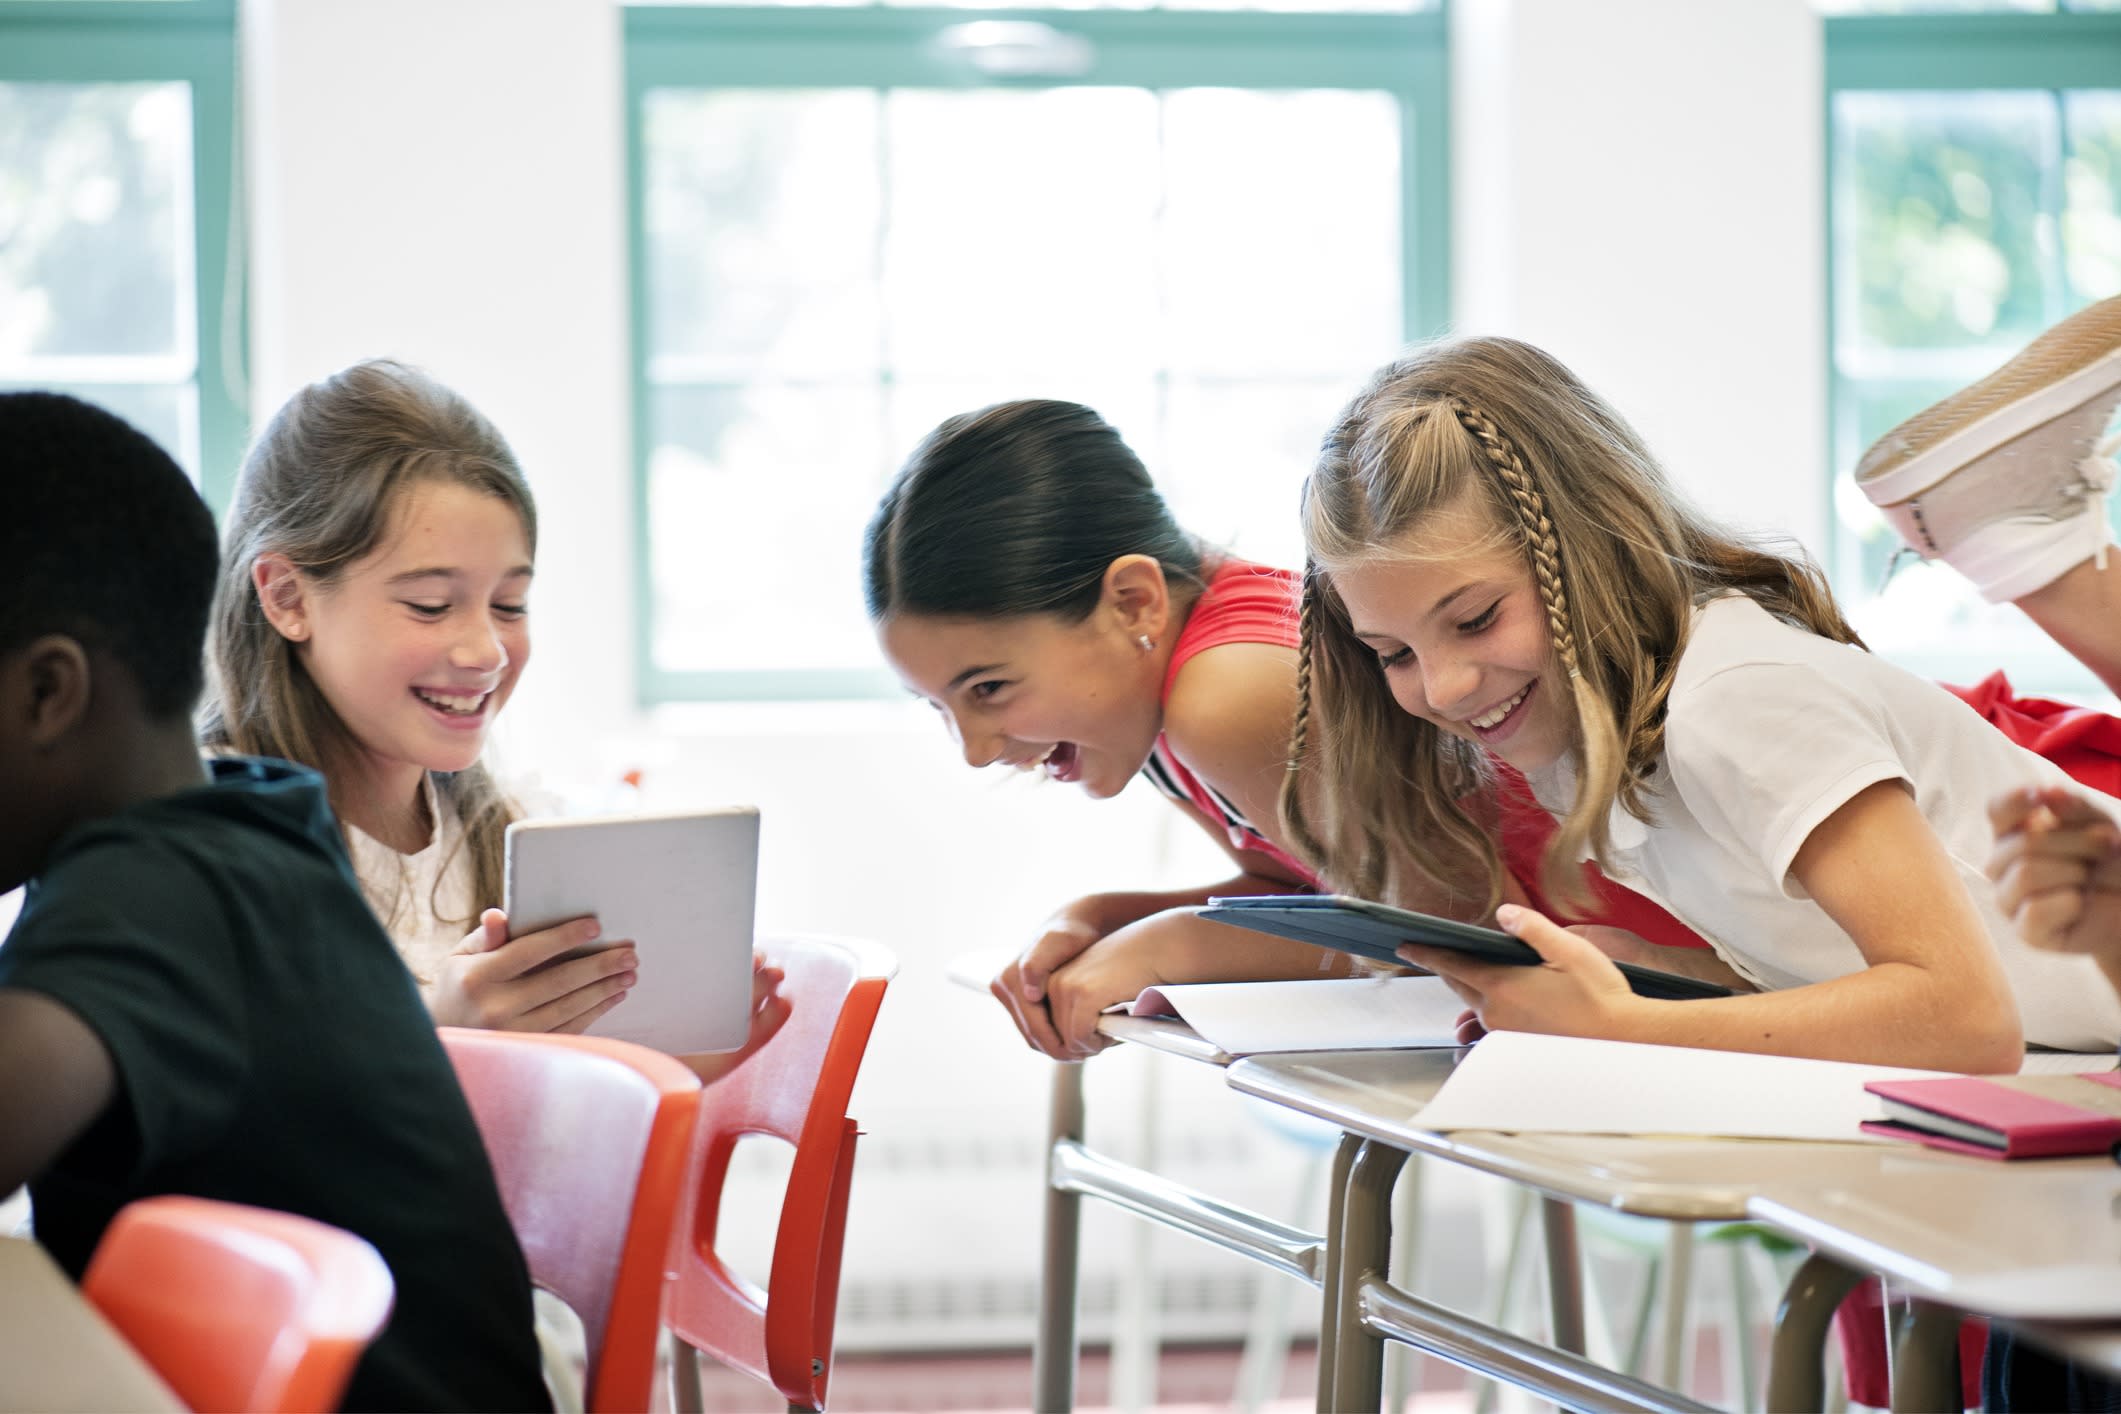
[(1975, 198), (850, 223), (116, 142)]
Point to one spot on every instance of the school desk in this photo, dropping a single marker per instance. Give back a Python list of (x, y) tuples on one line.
[(1075, 1172), (2035, 1244), (1367, 1095), (56, 1353), (1375, 1098)]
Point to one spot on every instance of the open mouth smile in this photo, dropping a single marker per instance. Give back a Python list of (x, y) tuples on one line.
[(458, 708), (1061, 761), (1496, 721)]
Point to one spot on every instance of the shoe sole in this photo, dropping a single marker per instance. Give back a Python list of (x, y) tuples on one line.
[(1954, 442)]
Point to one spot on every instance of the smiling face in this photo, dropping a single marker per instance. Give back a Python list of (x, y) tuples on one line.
[(1460, 633), (1077, 701), (419, 644)]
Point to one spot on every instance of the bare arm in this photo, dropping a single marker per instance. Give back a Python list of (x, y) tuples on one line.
[(1701, 964), (55, 1079), (1104, 948), (1932, 993)]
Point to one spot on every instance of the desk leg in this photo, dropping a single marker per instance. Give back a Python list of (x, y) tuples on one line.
[(1365, 1251), (1053, 1357), (1403, 1362), (1329, 1323), (1926, 1359), (1564, 1273), (1796, 1368)]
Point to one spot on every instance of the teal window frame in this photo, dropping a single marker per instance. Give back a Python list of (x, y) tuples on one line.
[(2043, 52), (158, 41), (888, 47)]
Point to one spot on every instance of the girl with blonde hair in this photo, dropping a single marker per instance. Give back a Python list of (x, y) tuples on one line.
[(1500, 569), (371, 620)]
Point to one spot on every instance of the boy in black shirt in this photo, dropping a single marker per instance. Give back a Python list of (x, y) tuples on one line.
[(195, 998)]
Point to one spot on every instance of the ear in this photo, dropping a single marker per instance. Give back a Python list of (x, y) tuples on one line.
[(47, 689), (282, 594), (1138, 597)]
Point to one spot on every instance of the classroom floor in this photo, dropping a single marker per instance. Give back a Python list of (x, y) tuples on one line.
[(1191, 1380)]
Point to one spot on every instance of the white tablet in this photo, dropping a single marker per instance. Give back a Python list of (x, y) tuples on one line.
[(682, 887)]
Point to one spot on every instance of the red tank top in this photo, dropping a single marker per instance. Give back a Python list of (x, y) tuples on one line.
[(1248, 603), (1242, 603)]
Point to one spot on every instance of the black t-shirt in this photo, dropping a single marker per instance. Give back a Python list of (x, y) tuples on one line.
[(271, 1049)]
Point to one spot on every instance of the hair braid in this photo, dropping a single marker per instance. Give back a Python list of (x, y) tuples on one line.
[(1293, 821), (1532, 516)]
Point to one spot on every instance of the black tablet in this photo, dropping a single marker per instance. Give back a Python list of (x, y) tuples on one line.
[(1375, 931)]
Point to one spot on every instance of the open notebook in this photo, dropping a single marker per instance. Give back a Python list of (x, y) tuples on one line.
[(1522, 1083), (1519, 1082), (1328, 1014)]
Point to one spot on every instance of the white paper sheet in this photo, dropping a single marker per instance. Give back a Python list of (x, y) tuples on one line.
[(1518, 1082), (1330, 1014), (974, 970), (2065, 1063)]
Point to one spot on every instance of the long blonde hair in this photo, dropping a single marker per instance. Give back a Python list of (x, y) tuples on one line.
[(320, 486), (1620, 562)]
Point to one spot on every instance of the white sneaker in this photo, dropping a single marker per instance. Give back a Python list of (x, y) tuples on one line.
[(2006, 481)]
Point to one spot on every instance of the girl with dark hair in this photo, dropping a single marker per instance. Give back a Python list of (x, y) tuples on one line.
[(1027, 580)]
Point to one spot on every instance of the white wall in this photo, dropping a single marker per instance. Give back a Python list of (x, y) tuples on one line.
[(443, 181), (1640, 188)]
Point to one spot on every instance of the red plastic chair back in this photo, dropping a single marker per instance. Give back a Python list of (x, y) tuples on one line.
[(240, 1308), (592, 1145), (795, 1089)]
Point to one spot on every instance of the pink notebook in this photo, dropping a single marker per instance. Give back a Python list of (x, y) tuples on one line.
[(2005, 1116)]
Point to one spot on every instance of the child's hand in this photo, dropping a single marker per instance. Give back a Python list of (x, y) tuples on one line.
[(495, 983), (1021, 987), (2057, 869), (1576, 993), (1113, 969), (1622, 946), (769, 1009)]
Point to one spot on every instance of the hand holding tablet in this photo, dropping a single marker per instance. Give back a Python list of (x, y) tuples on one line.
[(1376, 931), (678, 889), (543, 981)]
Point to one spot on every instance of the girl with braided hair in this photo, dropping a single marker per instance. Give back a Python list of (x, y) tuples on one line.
[(1499, 570), (1026, 579)]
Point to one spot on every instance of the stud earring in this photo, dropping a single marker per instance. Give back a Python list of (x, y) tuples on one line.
[(1148, 644)]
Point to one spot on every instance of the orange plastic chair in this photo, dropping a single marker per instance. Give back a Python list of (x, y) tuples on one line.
[(592, 1144), (795, 1089), (237, 1307)]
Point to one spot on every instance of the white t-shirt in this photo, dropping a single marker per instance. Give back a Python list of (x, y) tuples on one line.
[(424, 899), (1769, 729)]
